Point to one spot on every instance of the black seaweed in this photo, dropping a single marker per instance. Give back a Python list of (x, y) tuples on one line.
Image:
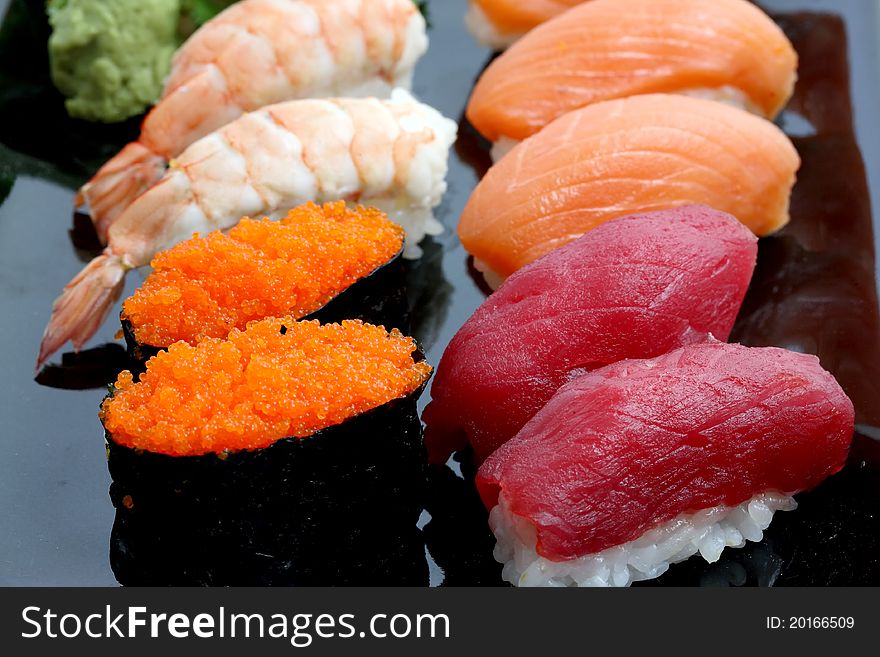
[(378, 298), (339, 507), (137, 352)]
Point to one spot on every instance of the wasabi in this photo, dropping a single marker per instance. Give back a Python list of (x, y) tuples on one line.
[(110, 57)]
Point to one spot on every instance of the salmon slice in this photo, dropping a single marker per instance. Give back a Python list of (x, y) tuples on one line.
[(498, 23), (607, 49), (629, 156)]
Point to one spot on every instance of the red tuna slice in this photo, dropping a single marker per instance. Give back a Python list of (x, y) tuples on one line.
[(635, 287), (627, 447)]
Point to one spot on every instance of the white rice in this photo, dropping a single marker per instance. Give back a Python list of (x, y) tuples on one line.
[(727, 94), (416, 221), (485, 31), (425, 179), (708, 532), (502, 147), (492, 279)]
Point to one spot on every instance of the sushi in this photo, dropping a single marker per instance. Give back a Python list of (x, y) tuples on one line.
[(726, 50), (289, 453), (253, 54), (620, 157), (325, 262), (644, 463), (635, 287), (389, 154), (497, 24)]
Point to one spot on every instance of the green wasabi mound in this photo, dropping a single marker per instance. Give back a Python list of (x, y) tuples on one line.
[(110, 57)]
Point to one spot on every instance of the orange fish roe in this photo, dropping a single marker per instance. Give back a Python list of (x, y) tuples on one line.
[(206, 286), (260, 385)]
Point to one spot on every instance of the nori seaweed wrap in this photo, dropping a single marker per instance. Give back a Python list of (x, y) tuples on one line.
[(336, 507), (325, 262)]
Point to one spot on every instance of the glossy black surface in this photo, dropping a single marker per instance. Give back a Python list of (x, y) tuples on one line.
[(814, 291)]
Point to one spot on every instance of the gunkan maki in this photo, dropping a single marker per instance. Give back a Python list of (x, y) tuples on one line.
[(327, 262), (288, 454)]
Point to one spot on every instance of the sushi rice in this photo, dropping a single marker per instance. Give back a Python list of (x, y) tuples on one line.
[(413, 207), (708, 532), (485, 31)]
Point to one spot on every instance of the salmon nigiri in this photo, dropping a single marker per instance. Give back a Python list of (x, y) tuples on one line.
[(621, 157), (498, 23), (604, 49)]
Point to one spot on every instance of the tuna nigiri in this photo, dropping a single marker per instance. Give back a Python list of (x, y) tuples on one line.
[(643, 463), (253, 54), (620, 157), (635, 287), (604, 49), (390, 154), (498, 23)]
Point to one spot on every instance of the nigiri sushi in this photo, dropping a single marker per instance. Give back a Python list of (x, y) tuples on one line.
[(638, 154), (256, 53), (499, 23), (281, 440), (645, 462), (635, 287), (389, 154), (325, 262), (605, 49)]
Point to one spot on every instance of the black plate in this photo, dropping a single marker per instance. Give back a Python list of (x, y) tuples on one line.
[(814, 291)]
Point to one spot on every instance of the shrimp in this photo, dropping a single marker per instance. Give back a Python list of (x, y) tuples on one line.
[(256, 53), (391, 154)]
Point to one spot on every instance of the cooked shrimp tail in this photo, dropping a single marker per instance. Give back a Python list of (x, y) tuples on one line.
[(116, 184), (83, 305)]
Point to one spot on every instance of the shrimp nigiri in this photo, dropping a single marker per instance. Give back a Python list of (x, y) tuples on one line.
[(255, 53), (726, 50), (391, 154), (498, 23)]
